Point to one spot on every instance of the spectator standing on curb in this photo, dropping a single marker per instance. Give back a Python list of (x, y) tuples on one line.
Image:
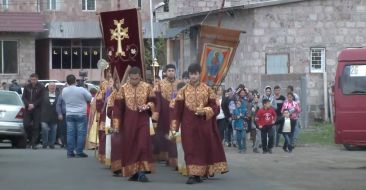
[(14, 86), (49, 116), (32, 98), (279, 100), (76, 99), (266, 118)]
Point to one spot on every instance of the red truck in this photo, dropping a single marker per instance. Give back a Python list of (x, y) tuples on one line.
[(350, 98)]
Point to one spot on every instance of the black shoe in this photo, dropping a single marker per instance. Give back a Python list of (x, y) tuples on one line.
[(34, 147), (199, 179), (133, 178), (255, 150), (82, 155), (265, 152), (44, 146), (285, 149), (142, 178), (70, 155), (229, 145), (191, 180), (52, 146), (117, 173), (270, 151)]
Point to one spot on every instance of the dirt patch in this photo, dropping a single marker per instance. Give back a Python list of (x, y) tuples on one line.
[(309, 167)]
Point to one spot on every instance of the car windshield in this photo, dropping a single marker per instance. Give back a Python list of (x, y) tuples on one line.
[(9, 98), (354, 79)]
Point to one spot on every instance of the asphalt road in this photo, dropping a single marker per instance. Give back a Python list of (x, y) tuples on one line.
[(51, 170)]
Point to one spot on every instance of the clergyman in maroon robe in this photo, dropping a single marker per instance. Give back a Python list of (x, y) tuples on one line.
[(195, 111)]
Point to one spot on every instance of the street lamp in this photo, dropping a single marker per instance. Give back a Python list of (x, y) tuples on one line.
[(154, 60)]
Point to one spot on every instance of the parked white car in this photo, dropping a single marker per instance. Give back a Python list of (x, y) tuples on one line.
[(11, 119)]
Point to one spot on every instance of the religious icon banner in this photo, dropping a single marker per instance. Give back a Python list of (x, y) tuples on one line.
[(217, 47), (123, 40)]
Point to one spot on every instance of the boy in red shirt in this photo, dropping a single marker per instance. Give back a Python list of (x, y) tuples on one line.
[(266, 118)]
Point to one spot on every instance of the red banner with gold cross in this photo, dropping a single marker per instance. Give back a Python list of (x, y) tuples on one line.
[(123, 40)]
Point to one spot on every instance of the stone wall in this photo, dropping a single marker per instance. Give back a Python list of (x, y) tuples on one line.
[(293, 29), (26, 57)]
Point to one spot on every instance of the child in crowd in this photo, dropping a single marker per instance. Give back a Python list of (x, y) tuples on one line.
[(257, 133), (239, 115), (266, 118), (286, 131)]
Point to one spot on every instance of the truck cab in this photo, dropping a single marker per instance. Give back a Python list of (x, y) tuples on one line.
[(350, 98)]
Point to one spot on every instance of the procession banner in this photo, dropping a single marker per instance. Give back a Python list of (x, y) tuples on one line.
[(123, 41), (217, 46)]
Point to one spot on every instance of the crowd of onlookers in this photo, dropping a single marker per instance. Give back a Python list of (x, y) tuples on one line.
[(244, 113), (263, 117), (45, 113)]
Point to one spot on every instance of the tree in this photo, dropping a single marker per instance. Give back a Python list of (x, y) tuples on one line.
[(160, 52)]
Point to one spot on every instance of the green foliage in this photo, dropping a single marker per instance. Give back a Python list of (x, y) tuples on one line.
[(322, 134), (160, 52)]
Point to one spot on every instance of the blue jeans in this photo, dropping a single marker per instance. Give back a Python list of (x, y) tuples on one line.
[(296, 132), (61, 131), (48, 133), (288, 143), (76, 133), (241, 139)]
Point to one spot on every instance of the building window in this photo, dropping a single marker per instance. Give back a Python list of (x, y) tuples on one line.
[(51, 4), (317, 62), (76, 54), (166, 5), (88, 5), (139, 4), (277, 64), (8, 57), (5, 4)]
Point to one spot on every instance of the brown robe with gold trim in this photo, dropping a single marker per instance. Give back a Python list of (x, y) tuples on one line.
[(135, 146), (204, 153), (115, 138), (101, 115), (164, 149)]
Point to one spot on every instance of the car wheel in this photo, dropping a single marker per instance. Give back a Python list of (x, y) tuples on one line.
[(350, 147)]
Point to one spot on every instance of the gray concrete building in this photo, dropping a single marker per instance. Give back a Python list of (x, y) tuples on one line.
[(286, 42)]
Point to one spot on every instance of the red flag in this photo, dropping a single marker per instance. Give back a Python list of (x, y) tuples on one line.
[(123, 40)]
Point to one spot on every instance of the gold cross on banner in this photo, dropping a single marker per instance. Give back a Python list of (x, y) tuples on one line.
[(119, 34)]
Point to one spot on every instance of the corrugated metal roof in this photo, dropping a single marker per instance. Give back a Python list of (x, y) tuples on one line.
[(21, 22), (91, 29), (74, 29)]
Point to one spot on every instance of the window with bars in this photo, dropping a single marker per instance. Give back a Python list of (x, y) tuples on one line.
[(5, 4), (76, 54), (166, 6), (139, 4), (317, 60), (8, 57), (51, 4), (277, 64), (88, 5)]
